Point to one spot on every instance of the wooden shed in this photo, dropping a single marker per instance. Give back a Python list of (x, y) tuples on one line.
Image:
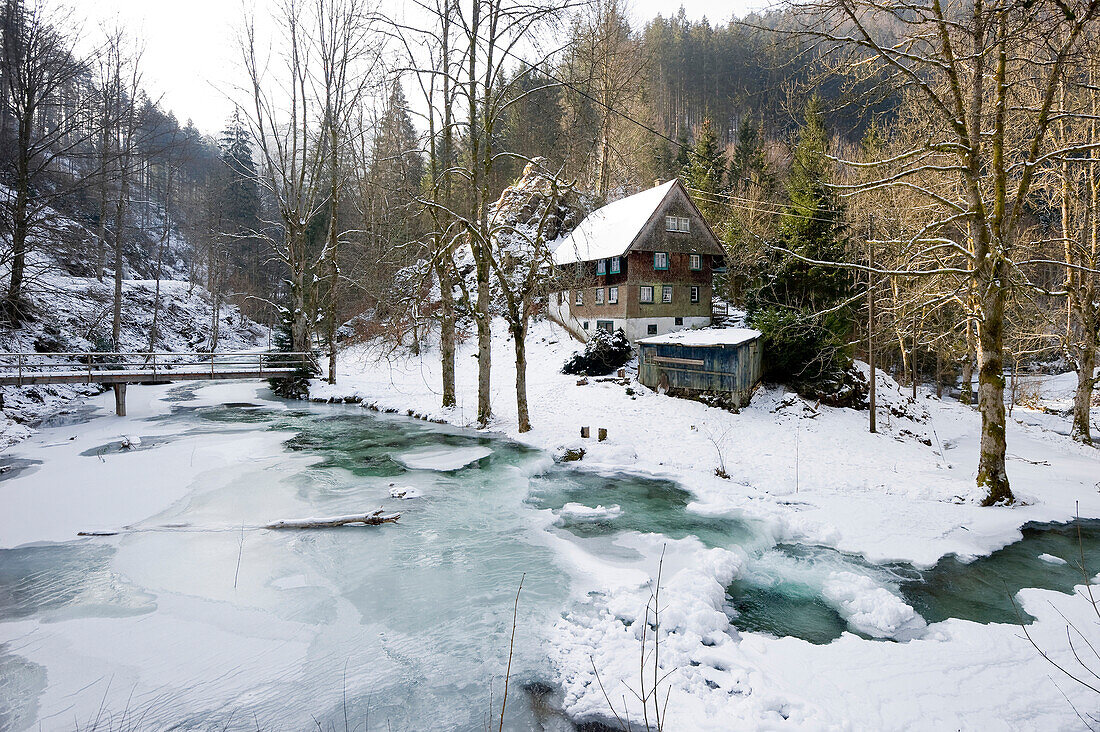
[(719, 366)]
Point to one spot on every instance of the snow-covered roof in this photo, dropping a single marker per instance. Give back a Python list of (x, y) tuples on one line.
[(609, 231), (704, 337)]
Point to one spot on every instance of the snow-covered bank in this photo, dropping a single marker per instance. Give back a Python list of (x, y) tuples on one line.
[(813, 471), (73, 314), (808, 474)]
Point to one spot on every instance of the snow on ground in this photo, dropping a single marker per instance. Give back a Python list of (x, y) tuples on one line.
[(809, 474), (73, 314)]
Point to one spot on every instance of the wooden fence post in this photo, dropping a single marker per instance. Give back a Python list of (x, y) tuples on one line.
[(120, 399)]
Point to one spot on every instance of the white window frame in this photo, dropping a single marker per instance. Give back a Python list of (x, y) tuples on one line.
[(641, 294), (695, 262), (599, 296), (616, 265), (612, 295), (666, 257), (695, 293), (666, 293), (601, 266), (680, 224), (579, 299)]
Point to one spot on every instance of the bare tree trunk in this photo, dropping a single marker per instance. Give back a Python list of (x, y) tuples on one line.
[(447, 334), (120, 214), (992, 475), (519, 339), (484, 350), (19, 238), (101, 234), (160, 259), (1086, 383), (330, 331), (966, 392)]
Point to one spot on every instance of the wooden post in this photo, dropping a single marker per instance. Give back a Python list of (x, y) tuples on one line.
[(584, 433), (120, 399), (601, 434), (913, 358)]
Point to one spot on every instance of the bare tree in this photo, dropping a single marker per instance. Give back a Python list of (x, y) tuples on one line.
[(986, 77), (1073, 180), (120, 79), (528, 215), (41, 69), (346, 52), (287, 123), (491, 33)]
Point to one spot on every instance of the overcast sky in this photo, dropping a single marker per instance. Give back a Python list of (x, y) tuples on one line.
[(191, 60)]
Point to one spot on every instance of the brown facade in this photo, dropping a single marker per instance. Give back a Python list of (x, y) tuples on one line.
[(637, 269)]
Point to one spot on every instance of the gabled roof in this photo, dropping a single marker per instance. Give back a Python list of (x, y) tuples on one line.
[(609, 231)]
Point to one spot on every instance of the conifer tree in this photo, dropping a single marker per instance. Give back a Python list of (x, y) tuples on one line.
[(705, 171), (797, 305)]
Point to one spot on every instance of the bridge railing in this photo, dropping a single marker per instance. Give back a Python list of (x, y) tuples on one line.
[(92, 362)]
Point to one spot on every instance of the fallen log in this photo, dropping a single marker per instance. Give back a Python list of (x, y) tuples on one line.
[(365, 519)]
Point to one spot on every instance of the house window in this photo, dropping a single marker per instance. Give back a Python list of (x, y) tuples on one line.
[(651, 329), (679, 321), (694, 293), (666, 293), (607, 326), (612, 295), (695, 261), (660, 260), (616, 264), (599, 296), (580, 297), (585, 325), (645, 293), (677, 223), (601, 266)]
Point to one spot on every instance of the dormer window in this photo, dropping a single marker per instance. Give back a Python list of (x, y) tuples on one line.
[(601, 266), (660, 260), (678, 223)]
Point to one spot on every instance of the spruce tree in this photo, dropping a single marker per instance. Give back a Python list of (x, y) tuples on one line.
[(799, 306), (297, 385), (705, 171)]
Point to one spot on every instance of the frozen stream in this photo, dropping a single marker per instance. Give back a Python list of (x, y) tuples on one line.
[(192, 617)]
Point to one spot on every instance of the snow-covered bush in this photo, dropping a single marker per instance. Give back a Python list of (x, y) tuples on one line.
[(603, 353)]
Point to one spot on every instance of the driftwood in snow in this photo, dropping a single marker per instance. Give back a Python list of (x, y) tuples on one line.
[(365, 519)]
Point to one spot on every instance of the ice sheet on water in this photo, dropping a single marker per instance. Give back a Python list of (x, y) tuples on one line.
[(443, 459), (581, 512)]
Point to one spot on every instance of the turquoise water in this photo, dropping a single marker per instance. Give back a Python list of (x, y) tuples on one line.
[(408, 624)]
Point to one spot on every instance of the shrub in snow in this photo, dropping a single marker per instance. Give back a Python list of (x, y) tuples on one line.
[(603, 353), (809, 354)]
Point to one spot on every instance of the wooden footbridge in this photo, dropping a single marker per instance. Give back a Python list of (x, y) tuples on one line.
[(120, 369)]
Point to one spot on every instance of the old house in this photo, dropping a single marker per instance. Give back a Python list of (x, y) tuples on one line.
[(644, 263)]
